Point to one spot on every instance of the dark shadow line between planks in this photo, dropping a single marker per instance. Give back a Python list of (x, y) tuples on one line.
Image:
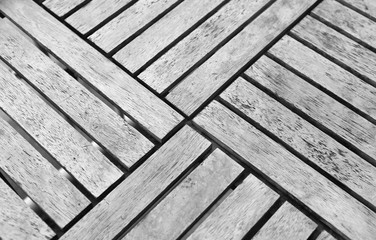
[(315, 233), (357, 10), (75, 9)]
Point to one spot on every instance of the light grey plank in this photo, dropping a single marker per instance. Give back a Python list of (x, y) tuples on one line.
[(211, 75), (367, 6), (62, 7), (136, 192), (325, 236)]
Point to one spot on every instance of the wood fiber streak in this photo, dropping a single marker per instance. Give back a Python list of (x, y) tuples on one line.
[(367, 6), (62, 7), (325, 236)]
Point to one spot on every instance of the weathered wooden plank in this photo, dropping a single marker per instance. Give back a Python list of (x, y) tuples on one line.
[(367, 6), (135, 54), (197, 44), (103, 124), (62, 7), (324, 109), (228, 60), (287, 223), (188, 200), (52, 132), (17, 220), (335, 206), (138, 191), (143, 106), (240, 211), (327, 74), (325, 236), (338, 46), (128, 23)]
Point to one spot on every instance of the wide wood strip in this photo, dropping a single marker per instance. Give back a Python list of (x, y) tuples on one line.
[(143, 106), (367, 6), (325, 236), (87, 164), (103, 124), (335, 206), (62, 7), (327, 74), (211, 75), (197, 44), (324, 109), (139, 190), (138, 52), (188, 200), (240, 211), (17, 220), (129, 22)]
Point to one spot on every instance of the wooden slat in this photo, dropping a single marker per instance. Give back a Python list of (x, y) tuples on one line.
[(287, 223), (138, 52), (17, 220), (327, 74), (212, 74), (62, 7), (324, 109), (144, 107), (138, 191), (334, 205), (197, 44), (240, 211), (128, 23), (188, 200), (367, 6), (103, 124), (52, 132), (325, 236)]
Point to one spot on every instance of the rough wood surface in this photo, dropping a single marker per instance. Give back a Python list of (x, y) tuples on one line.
[(17, 220), (102, 123), (188, 200), (135, 54), (211, 75), (52, 132), (128, 23), (367, 6), (62, 7), (136, 192), (197, 44), (240, 211), (143, 106), (334, 205), (325, 236)]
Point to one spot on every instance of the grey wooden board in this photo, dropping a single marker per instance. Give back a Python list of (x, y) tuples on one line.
[(367, 6), (188, 200), (338, 46), (62, 7), (137, 191), (287, 223), (211, 75), (324, 109), (327, 74), (38, 178), (51, 131), (144, 107), (107, 127), (93, 13), (128, 23), (136, 53), (335, 206), (238, 213), (197, 44), (17, 220), (324, 235)]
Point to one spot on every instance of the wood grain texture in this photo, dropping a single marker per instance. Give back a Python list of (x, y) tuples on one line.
[(287, 223), (327, 74), (135, 54), (324, 109), (17, 220), (335, 206), (52, 132), (128, 23), (211, 75), (367, 6), (143, 106), (238, 213), (200, 42), (325, 236), (102, 123), (62, 7), (138, 191), (188, 200)]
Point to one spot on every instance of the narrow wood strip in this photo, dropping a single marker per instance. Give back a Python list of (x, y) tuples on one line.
[(139, 190), (323, 197), (367, 6), (197, 44), (325, 236), (62, 7), (211, 75), (52, 132), (188, 200), (141, 105), (17, 220)]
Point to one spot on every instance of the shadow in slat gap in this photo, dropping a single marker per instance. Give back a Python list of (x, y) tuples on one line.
[(75, 9), (315, 233), (356, 10)]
